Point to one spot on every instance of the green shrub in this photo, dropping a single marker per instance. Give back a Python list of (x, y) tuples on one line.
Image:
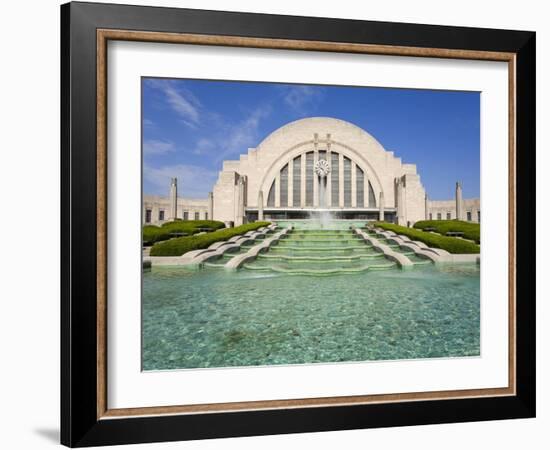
[(451, 244), (470, 229), (153, 233), (179, 246), (179, 224)]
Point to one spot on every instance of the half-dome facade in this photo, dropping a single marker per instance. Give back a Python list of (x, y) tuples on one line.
[(319, 164), (313, 166)]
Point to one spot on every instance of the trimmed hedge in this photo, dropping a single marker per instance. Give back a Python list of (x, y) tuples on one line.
[(451, 244), (179, 246), (470, 229), (179, 224), (153, 233)]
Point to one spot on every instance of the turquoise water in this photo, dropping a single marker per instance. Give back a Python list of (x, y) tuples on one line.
[(215, 318), (321, 252)]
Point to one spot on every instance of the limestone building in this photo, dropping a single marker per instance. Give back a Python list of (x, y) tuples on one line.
[(309, 167)]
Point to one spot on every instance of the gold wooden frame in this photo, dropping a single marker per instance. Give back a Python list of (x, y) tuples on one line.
[(103, 36)]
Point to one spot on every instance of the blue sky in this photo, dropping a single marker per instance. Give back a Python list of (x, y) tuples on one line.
[(191, 126)]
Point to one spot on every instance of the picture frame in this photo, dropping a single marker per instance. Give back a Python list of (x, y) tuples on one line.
[(86, 418)]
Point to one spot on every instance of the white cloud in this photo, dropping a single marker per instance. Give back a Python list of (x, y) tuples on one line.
[(147, 123), (183, 102), (157, 147), (193, 181), (204, 146), (217, 138), (302, 98), (225, 139), (243, 135)]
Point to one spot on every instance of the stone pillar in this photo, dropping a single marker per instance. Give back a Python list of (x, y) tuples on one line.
[(210, 206), (245, 200), (278, 190), (341, 179), (366, 191), (155, 214), (458, 201), (426, 207), (315, 177), (241, 185), (381, 206), (400, 188), (303, 181), (290, 184), (328, 196), (404, 202), (261, 205), (353, 185), (173, 199)]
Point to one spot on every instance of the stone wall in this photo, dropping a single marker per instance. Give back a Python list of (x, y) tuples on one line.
[(446, 209), (156, 204), (225, 195), (415, 199)]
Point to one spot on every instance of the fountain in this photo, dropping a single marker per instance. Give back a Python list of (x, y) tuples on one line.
[(321, 252), (323, 247), (320, 245), (322, 169)]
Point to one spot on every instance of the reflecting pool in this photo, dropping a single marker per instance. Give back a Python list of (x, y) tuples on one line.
[(214, 318)]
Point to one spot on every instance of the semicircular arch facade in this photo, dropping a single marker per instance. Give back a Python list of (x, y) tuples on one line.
[(288, 156)]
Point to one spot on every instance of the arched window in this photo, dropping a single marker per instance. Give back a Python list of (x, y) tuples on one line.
[(347, 182), (372, 197), (309, 179), (296, 181), (284, 186), (360, 187), (271, 196), (297, 178), (335, 179)]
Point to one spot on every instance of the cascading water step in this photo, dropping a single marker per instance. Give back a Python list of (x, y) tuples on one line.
[(410, 254), (321, 253), (419, 260), (221, 261), (320, 271), (303, 248), (367, 256)]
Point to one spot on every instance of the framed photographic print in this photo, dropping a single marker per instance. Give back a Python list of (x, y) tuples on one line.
[(277, 224)]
